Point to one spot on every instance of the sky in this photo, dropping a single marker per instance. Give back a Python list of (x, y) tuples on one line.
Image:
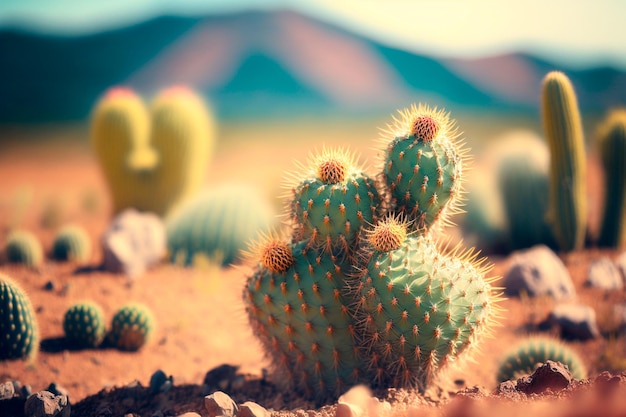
[(578, 32)]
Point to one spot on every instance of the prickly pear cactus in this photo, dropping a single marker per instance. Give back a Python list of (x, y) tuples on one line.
[(523, 358), (419, 309), (18, 323), (72, 243), (568, 188), (132, 327), (611, 141), (23, 247), (83, 324), (297, 305), (334, 201), (423, 166)]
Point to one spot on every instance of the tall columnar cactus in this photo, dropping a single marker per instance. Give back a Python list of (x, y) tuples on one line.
[(564, 133), (296, 302), (120, 137), (333, 201), (132, 327), (83, 325), (183, 133), (18, 323), (523, 358), (72, 243), (218, 223), (611, 141), (23, 247), (423, 166), (419, 308)]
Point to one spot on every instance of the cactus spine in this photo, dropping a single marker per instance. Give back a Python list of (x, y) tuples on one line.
[(564, 133), (18, 323), (24, 248), (132, 327), (523, 358), (423, 166), (72, 243), (611, 141), (83, 324)]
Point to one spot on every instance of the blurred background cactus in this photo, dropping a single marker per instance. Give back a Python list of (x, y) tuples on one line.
[(72, 243), (568, 165), (132, 326), (83, 325), (218, 223), (611, 142), (23, 247), (18, 322)]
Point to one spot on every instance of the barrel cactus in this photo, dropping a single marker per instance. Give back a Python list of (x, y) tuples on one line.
[(83, 325), (23, 247), (611, 142), (423, 166), (525, 356), (18, 323), (72, 243), (132, 327), (568, 188), (218, 223)]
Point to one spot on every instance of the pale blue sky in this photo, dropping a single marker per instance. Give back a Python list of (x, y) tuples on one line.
[(578, 31)]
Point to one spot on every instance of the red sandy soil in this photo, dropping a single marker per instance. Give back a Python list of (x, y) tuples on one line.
[(201, 322)]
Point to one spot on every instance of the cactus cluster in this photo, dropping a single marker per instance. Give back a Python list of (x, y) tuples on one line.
[(83, 325), (23, 247), (152, 158), (72, 243), (132, 327), (360, 291), (18, 323)]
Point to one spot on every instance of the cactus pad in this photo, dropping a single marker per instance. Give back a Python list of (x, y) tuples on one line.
[(18, 323), (83, 325), (131, 327), (72, 243)]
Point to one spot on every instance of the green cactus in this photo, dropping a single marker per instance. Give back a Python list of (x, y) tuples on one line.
[(523, 358), (419, 309), (423, 167), (611, 141), (18, 323), (132, 327), (297, 305), (83, 325), (333, 202), (218, 223), (72, 243), (23, 247), (564, 133)]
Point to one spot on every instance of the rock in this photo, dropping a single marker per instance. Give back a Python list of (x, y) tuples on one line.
[(576, 321), (57, 389), (355, 402), (538, 271), (220, 404), (252, 409), (619, 312), (133, 243), (604, 274), (160, 382), (189, 414), (620, 264), (7, 390), (45, 403), (221, 377), (551, 375)]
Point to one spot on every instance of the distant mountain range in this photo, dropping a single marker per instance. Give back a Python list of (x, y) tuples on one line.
[(269, 64)]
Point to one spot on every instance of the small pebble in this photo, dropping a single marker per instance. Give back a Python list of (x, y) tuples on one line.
[(220, 404), (252, 409)]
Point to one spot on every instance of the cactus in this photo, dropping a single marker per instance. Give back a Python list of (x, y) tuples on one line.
[(18, 323), (611, 141), (24, 247), (523, 358), (72, 243), (132, 327), (564, 133), (423, 166), (297, 305), (83, 324), (419, 309), (218, 223), (333, 202), (152, 160)]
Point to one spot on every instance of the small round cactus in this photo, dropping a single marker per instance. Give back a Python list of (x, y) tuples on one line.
[(18, 323), (131, 327), (72, 243), (83, 325), (523, 358), (23, 247)]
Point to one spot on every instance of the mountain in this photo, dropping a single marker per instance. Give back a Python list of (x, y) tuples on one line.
[(268, 63)]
